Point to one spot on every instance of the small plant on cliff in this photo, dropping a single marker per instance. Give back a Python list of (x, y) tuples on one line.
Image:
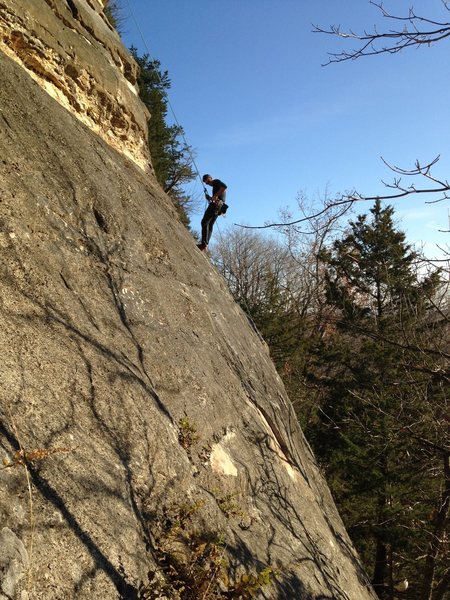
[(249, 585), (187, 433), (23, 457), (192, 565), (228, 504), (26, 459), (113, 12)]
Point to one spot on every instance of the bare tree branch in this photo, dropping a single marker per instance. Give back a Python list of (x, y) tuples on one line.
[(346, 201), (416, 31)]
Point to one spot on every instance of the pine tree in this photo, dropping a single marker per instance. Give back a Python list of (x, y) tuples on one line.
[(371, 271), (374, 430), (171, 156), (113, 12)]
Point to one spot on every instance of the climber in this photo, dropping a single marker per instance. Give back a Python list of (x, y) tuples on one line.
[(215, 208)]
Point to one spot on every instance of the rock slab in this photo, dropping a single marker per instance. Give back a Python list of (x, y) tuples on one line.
[(134, 395)]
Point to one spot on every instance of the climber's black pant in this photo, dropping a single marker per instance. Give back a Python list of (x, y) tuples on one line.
[(209, 218)]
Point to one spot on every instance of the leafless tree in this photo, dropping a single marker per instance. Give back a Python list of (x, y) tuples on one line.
[(408, 31), (246, 257), (247, 261), (335, 208)]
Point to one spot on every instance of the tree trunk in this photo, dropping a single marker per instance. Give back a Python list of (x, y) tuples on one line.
[(380, 570), (442, 587), (435, 544), (380, 573)]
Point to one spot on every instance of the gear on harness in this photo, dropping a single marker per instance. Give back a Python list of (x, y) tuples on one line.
[(221, 206)]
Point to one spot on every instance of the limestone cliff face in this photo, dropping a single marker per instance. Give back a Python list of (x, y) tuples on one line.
[(69, 47), (140, 414)]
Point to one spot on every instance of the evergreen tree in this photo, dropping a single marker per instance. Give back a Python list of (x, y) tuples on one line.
[(113, 12), (376, 431), (171, 156)]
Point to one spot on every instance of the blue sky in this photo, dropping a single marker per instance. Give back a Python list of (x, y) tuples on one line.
[(267, 118)]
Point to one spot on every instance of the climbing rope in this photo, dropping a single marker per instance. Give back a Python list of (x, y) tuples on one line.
[(188, 148), (169, 104)]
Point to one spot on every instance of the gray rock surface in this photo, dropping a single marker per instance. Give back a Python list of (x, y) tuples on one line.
[(133, 391), (13, 563)]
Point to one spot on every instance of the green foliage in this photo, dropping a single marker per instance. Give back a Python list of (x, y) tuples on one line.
[(376, 428), (228, 504), (248, 586), (193, 565), (113, 12), (370, 273), (171, 156), (187, 433)]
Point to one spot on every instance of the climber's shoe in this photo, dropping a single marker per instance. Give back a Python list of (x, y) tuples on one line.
[(202, 247)]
